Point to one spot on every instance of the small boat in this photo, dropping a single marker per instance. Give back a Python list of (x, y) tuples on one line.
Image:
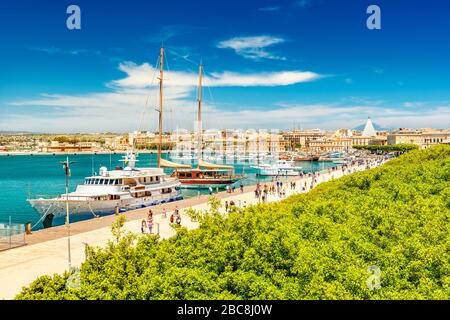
[(205, 178), (306, 158), (335, 155), (279, 168)]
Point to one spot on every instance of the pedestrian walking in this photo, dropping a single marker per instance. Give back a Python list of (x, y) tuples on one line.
[(143, 225), (150, 220)]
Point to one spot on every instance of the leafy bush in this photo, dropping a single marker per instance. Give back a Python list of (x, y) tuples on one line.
[(388, 148), (310, 246)]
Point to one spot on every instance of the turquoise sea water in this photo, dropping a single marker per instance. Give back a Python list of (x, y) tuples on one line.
[(42, 174)]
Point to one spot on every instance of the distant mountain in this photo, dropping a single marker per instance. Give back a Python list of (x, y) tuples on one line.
[(376, 126)]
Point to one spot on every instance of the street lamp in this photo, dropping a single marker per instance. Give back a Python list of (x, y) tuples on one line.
[(66, 166)]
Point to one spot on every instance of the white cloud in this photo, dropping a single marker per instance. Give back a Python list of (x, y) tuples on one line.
[(142, 76), (377, 70), (410, 104), (253, 47), (122, 112), (121, 108)]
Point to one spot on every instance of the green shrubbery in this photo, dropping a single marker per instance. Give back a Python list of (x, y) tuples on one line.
[(311, 246), (387, 148)]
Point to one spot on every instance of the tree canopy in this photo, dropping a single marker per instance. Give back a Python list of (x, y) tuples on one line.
[(317, 245)]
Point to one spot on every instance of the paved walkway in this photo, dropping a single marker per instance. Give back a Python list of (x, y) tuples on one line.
[(46, 252)]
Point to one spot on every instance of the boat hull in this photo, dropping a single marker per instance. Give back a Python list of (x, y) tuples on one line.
[(206, 183), (57, 206), (280, 172)]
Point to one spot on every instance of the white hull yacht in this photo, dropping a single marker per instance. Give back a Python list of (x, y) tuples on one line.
[(279, 168), (114, 191)]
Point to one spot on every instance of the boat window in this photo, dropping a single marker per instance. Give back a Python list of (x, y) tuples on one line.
[(120, 181), (111, 181), (188, 175), (101, 181), (96, 181), (156, 178), (151, 179)]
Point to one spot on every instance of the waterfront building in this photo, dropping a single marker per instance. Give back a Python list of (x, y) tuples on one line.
[(117, 142), (424, 137), (300, 139), (405, 136), (434, 136), (230, 142), (146, 139), (56, 146)]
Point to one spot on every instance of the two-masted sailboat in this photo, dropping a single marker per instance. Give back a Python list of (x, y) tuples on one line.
[(206, 174)]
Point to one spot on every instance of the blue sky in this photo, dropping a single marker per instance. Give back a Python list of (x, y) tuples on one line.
[(268, 64)]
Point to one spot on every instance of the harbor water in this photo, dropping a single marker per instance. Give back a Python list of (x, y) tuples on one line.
[(21, 175)]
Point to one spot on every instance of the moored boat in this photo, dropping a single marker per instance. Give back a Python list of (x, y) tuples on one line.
[(113, 191), (279, 168), (206, 174)]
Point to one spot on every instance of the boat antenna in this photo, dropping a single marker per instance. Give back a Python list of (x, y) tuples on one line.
[(161, 64), (199, 116)]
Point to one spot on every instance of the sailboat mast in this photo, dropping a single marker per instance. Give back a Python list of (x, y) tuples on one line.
[(199, 117), (161, 64)]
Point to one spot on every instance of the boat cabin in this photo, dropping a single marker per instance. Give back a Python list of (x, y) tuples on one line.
[(200, 174)]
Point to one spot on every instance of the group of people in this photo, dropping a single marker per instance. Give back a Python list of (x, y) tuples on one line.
[(229, 205), (175, 217), (231, 188)]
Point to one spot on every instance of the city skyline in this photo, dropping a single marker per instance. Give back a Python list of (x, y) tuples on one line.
[(318, 66)]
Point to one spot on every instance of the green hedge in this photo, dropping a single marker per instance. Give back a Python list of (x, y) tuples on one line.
[(388, 148), (311, 246)]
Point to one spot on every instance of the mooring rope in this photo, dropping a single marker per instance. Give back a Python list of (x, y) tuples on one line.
[(43, 217), (92, 210)]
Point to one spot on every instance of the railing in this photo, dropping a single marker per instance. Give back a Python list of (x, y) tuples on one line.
[(11, 235), (43, 196)]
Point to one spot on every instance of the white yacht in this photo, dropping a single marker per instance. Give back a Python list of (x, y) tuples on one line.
[(279, 168), (121, 189)]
